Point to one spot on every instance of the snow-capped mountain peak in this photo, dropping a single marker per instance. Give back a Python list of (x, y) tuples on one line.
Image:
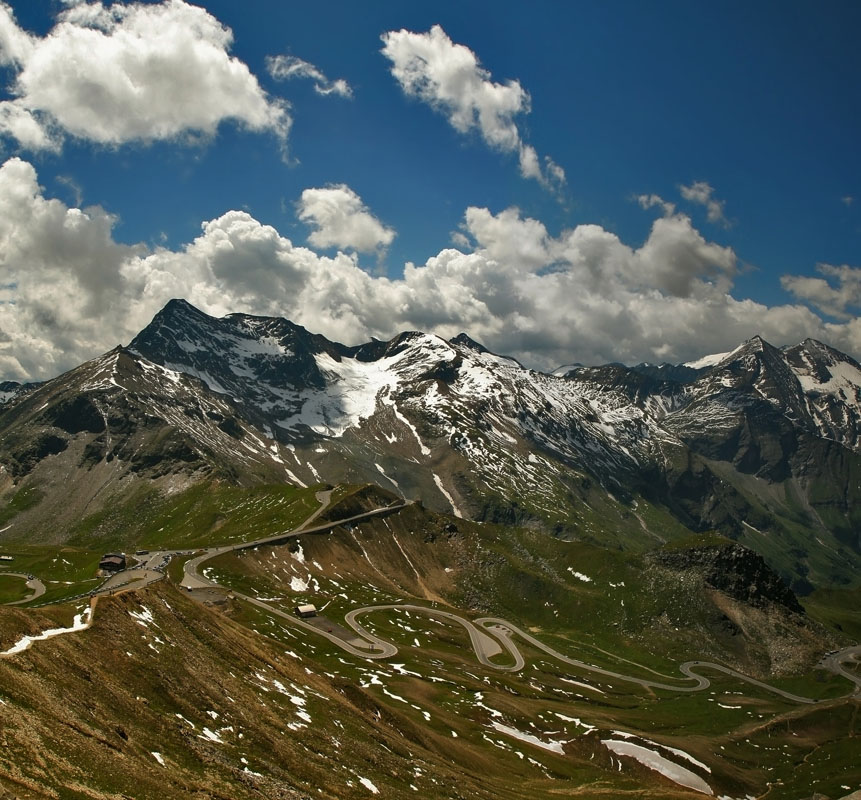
[(255, 399)]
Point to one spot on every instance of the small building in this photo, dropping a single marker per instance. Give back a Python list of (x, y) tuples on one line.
[(112, 562), (306, 610), (7, 558)]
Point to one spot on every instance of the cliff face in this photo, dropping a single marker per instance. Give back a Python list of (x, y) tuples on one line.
[(734, 570)]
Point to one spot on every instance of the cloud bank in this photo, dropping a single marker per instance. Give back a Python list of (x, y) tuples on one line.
[(125, 73), (69, 291), (842, 301), (449, 78)]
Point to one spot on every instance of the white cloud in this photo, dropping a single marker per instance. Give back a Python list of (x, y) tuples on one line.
[(702, 193), (836, 302), (16, 45), (68, 291), (122, 73), (847, 200), (32, 130), (283, 68), (647, 201), (342, 220), (449, 78)]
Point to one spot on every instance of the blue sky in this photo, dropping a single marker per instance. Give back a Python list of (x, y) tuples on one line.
[(710, 158)]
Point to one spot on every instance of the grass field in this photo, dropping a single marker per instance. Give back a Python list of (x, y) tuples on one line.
[(65, 571), (205, 514), (12, 588)]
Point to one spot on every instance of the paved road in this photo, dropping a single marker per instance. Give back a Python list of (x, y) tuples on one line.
[(151, 569), (833, 662), (136, 578), (489, 636), (372, 648), (33, 584), (485, 646), (496, 626), (192, 579)]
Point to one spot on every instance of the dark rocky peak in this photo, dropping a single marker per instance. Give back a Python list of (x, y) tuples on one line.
[(464, 340), (731, 568), (753, 351), (370, 351), (234, 350), (424, 356), (758, 369), (404, 341)]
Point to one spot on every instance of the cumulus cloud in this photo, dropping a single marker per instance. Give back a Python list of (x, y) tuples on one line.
[(702, 193), (342, 220), (68, 291), (122, 73), (842, 301), (450, 78), (283, 68)]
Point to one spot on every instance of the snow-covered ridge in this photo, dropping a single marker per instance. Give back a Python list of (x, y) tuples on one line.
[(843, 379), (481, 404), (706, 361), (445, 421)]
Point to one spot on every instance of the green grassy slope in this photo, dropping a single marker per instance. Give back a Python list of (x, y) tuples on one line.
[(238, 702)]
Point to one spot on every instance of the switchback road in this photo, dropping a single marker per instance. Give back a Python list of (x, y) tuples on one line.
[(489, 636)]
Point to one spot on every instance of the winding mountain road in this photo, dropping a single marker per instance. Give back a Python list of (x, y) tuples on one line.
[(488, 636), (485, 646), (480, 632)]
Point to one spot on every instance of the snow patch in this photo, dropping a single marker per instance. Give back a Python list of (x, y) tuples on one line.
[(438, 481), (657, 762), (298, 585), (553, 747), (78, 624)]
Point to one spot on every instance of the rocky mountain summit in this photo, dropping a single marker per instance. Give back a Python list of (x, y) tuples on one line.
[(761, 443)]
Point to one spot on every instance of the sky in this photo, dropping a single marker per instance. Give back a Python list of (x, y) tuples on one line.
[(566, 182)]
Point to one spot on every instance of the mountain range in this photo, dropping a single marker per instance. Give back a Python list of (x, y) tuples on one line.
[(761, 444)]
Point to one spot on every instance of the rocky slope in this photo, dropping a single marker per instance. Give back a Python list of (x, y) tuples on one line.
[(761, 444)]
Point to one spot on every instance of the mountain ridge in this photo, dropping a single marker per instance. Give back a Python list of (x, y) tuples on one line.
[(763, 444)]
